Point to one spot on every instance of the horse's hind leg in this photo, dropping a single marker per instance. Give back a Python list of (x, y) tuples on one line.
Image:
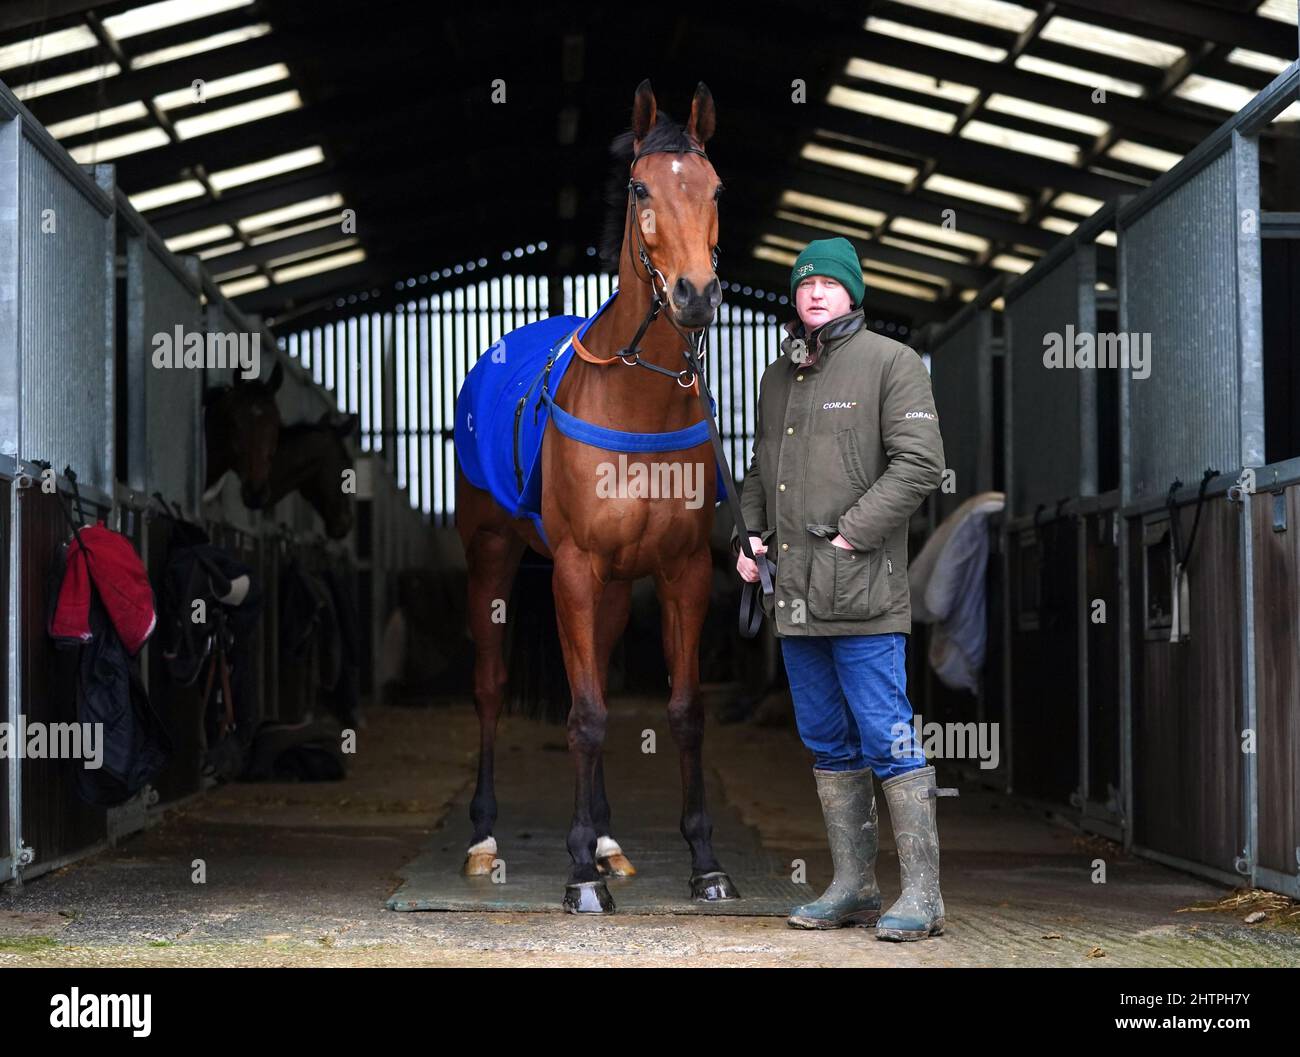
[(610, 622), (684, 600), (492, 552)]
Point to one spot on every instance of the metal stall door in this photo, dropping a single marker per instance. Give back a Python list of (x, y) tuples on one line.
[(1275, 517), (1189, 285), (56, 404), (9, 777), (1051, 461)]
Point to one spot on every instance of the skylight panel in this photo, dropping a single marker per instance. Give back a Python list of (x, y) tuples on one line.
[(1077, 75), (1046, 115), (1257, 60), (169, 194), (323, 264), (931, 39), (876, 281), (1006, 262), (242, 114), (832, 207), (1081, 205), (907, 273), (190, 239), (1211, 92), (297, 229), (315, 251), (1058, 224), (950, 185), (245, 286), (771, 253), (918, 247), (157, 16), (100, 119), (1282, 10), (46, 46), (48, 85), (862, 163), (1111, 42), (995, 13), (1144, 156), (305, 208), (1107, 238), (890, 109), (265, 169), (936, 233), (920, 83), (238, 82), (824, 224), (1024, 142), (220, 251), (781, 240), (120, 146), (198, 47)]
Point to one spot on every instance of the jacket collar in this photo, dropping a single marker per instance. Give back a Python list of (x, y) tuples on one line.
[(805, 350)]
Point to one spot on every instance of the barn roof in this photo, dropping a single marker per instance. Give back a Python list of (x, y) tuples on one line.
[(955, 140)]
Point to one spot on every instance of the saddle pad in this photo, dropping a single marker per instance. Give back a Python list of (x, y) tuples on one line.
[(486, 405)]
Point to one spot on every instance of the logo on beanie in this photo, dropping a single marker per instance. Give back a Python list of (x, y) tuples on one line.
[(804, 270)]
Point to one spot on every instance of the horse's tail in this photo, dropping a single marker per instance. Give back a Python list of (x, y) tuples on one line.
[(538, 686)]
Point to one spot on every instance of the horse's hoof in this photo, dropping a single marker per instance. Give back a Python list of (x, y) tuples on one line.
[(616, 865), (479, 857), (479, 863), (713, 887), (588, 897)]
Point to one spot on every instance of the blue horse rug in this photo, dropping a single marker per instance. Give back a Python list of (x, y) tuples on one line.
[(504, 407)]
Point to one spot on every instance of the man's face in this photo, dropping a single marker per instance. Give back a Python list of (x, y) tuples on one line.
[(820, 298)]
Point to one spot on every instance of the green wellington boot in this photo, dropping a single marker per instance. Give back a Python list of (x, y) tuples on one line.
[(849, 808), (918, 913)]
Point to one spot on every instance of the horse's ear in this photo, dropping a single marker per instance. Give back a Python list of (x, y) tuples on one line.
[(644, 110), (704, 117), (277, 376)]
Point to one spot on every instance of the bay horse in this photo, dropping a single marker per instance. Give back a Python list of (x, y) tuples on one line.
[(310, 459), (241, 429), (668, 293)]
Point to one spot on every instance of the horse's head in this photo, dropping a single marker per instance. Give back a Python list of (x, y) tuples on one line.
[(673, 194), (242, 427), (311, 459)]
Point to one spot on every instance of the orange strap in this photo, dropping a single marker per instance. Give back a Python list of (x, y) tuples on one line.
[(585, 354)]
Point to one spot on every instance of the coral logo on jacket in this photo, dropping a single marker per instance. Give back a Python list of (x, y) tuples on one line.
[(921, 414), (835, 405)]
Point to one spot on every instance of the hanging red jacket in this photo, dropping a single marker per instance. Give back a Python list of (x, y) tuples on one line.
[(98, 554)]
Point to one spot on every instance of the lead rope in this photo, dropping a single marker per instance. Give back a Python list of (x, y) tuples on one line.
[(1181, 601)]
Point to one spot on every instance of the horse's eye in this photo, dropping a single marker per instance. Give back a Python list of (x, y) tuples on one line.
[(717, 192), (640, 190)]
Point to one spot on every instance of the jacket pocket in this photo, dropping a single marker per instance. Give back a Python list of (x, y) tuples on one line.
[(845, 584)]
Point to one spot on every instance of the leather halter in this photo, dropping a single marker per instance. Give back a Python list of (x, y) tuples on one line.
[(631, 354)]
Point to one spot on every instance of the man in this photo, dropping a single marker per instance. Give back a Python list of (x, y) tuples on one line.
[(847, 447)]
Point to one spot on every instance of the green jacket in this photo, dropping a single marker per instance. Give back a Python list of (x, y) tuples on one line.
[(849, 444)]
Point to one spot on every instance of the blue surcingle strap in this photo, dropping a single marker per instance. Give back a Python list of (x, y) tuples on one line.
[(620, 440)]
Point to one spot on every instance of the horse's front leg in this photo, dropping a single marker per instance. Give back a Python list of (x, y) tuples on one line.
[(684, 599), (611, 619), (577, 602)]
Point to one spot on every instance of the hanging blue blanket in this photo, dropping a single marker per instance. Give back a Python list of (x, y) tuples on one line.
[(504, 406)]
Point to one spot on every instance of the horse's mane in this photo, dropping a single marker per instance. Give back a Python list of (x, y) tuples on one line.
[(665, 134)]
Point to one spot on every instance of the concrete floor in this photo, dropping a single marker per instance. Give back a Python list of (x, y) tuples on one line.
[(299, 875)]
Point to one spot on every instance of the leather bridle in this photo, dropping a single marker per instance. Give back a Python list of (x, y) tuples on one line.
[(631, 354)]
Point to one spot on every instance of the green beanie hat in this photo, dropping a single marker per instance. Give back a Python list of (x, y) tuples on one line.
[(832, 257)]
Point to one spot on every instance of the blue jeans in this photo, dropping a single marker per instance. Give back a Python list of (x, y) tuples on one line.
[(850, 701)]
